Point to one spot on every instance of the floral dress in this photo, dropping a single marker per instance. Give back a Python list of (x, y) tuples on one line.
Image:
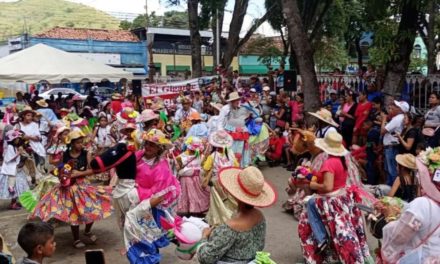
[(79, 203), (343, 220), (226, 245)]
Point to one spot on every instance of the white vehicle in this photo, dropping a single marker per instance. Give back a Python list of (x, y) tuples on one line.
[(65, 91)]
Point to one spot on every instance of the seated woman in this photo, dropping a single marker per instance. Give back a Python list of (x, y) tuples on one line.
[(420, 222), (239, 239), (335, 206), (404, 185)]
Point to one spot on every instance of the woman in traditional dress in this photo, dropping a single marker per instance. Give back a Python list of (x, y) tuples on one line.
[(415, 237), (335, 212), (194, 200), (157, 191), (75, 201), (240, 238), (221, 206)]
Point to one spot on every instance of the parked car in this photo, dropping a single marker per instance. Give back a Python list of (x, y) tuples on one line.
[(65, 91), (104, 92)]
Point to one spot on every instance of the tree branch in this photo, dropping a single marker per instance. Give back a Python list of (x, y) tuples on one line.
[(320, 20), (251, 31)]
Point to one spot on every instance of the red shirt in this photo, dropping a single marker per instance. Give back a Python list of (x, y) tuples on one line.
[(361, 114), (278, 145), (334, 166)]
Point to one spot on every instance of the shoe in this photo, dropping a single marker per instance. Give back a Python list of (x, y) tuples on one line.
[(321, 248), (14, 206), (79, 244), (290, 168), (91, 236)]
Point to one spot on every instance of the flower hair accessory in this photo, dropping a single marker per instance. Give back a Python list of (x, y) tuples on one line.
[(303, 175), (64, 172), (158, 137)]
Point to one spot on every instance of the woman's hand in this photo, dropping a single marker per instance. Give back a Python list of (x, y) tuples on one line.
[(207, 232), (156, 200)]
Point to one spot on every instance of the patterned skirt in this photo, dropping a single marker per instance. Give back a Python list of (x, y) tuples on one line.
[(242, 152), (193, 198), (77, 204), (343, 221), (21, 185)]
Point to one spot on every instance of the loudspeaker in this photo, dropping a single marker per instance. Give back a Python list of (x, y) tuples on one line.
[(290, 81), (137, 87)]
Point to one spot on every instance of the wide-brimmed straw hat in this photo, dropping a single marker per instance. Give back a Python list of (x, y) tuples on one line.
[(217, 106), (147, 115), (42, 103), (332, 144), (407, 160), (221, 139), (12, 135), (128, 126), (26, 110), (157, 137), (430, 188), (324, 115), (60, 130), (234, 96), (248, 186), (74, 134)]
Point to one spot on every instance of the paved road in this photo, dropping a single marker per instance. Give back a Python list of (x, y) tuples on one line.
[(281, 239)]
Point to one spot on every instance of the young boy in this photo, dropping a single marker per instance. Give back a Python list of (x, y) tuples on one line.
[(38, 241)]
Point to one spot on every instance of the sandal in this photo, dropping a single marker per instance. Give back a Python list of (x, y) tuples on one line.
[(78, 244), (91, 236)]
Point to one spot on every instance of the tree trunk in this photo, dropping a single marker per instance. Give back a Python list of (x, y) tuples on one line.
[(432, 11), (196, 40), (303, 51), (396, 68), (359, 52)]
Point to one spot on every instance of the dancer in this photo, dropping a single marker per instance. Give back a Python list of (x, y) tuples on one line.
[(221, 205), (194, 200), (76, 203)]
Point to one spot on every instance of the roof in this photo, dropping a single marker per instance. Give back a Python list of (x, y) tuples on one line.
[(86, 33), (180, 32)]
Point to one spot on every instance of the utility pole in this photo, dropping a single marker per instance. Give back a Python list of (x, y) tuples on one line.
[(149, 47), (217, 36)]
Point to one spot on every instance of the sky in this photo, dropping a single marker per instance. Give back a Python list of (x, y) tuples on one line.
[(255, 10)]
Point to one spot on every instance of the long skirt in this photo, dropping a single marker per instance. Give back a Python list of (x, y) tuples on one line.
[(347, 238), (21, 185), (259, 144), (77, 204), (222, 206), (193, 198), (242, 152)]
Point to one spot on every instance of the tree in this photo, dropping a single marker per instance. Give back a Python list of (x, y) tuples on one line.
[(429, 30), (330, 53), (196, 40), (171, 19), (266, 49), (302, 49)]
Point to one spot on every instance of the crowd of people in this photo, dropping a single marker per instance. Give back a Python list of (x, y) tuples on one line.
[(159, 166)]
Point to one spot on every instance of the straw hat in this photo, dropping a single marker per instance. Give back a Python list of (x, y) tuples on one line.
[(248, 186), (407, 161), (26, 110), (12, 134), (128, 126), (217, 106), (325, 115), (148, 102), (266, 88), (42, 103), (157, 137), (76, 98), (75, 134), (147, 115), (195, 116), (331, 144), (60, 131), (234, 96), (117, 96), (430, 188), (220, 139)]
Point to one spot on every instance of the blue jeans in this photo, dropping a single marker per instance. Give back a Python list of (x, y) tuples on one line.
[(391, 164), (318, 228)]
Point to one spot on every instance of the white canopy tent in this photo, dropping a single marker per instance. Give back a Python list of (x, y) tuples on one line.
[(45, 63)]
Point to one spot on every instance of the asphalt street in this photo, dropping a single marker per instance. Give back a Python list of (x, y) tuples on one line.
[(281, 239)]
